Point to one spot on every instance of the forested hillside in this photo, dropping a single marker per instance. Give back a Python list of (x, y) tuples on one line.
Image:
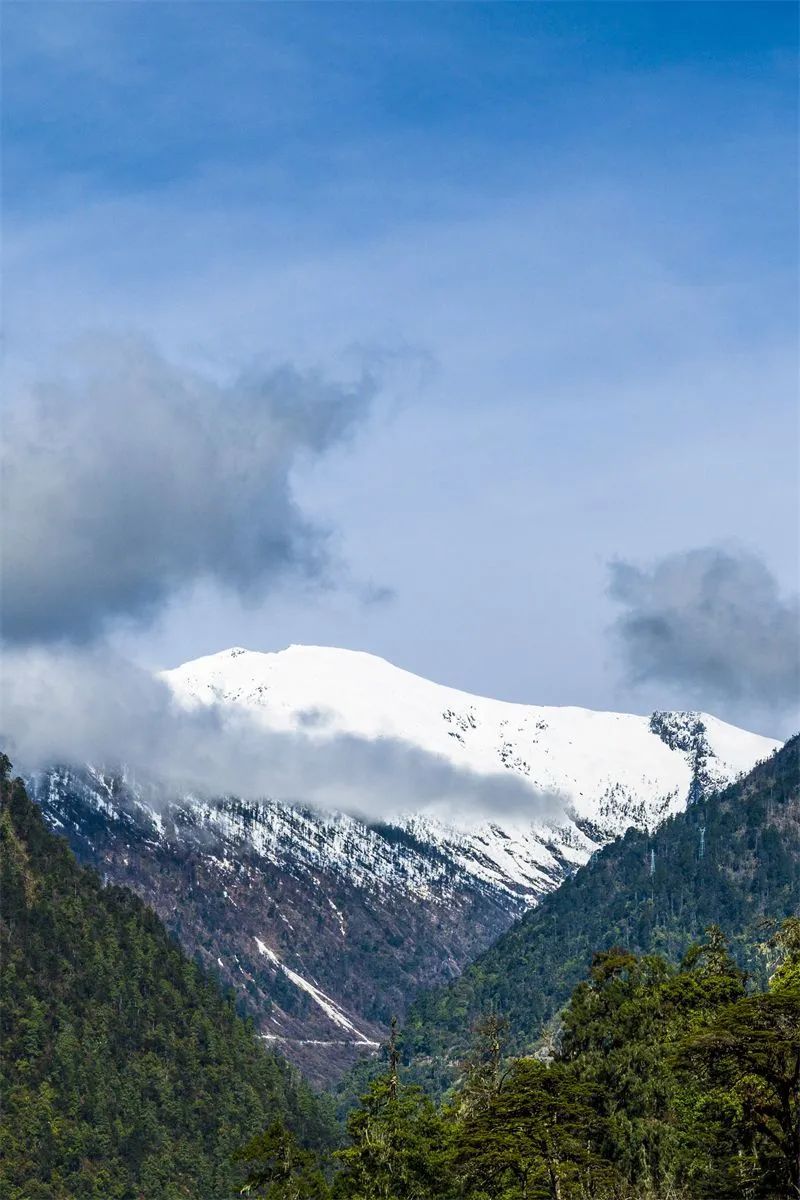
[(731, 860), (665, 1083), (326, 923), (126, 1073), (127, 1076)]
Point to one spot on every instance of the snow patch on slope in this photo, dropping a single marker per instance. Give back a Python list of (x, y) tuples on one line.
[(328, 1006)]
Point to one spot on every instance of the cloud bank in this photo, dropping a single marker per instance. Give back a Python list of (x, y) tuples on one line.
[(712, 621), (81, 705), (130, 478)]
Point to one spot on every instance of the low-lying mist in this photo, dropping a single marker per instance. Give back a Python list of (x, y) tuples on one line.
[(77, 706)]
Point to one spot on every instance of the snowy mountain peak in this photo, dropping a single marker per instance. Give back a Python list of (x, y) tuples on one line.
[(302, 908), (612, 769)]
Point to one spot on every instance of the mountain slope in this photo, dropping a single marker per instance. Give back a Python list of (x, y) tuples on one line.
[(357, 918), (326, 924), (610, 768), (731, 859), (125, 1072)]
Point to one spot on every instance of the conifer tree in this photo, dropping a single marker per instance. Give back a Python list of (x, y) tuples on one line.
[(484, 1069), (279, 1169), (536, 1137), (750, 1050), (396, 1141)]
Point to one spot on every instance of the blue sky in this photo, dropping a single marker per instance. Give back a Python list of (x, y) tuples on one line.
[(561, 239)]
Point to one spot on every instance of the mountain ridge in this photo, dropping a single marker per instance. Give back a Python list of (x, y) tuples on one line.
[(326, 923), (732, 859)]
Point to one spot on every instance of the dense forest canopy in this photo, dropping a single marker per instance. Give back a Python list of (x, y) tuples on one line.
[(663, 1083), (125, 1072), (665, 1066), (731, 859)]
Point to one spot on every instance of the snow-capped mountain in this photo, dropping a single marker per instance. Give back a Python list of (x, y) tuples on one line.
[(328, 923), (610, 770)]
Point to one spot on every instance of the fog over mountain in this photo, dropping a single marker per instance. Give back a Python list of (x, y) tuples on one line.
[(75, 708), (330, 833)]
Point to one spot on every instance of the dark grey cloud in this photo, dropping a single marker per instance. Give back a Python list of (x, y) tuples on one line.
[(130, 478), (79, 705), (712, 621)]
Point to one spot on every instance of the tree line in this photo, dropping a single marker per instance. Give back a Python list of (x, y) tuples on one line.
[(731, 859), (658, 1082)]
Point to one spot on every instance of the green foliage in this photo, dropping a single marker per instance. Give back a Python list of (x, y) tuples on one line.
[(729, 860), (750, 1051), (125, 1073), (665, 1083), (535, 1137), (280, 1169), (395, 1145)]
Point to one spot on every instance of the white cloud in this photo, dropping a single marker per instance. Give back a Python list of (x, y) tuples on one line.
[(73, 706), (713, 621), (127, 479)]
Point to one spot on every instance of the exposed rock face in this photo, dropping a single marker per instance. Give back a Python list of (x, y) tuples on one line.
[(324, 926)]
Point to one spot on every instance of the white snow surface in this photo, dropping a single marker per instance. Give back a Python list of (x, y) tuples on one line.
[(611, 769), (575, 751)]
